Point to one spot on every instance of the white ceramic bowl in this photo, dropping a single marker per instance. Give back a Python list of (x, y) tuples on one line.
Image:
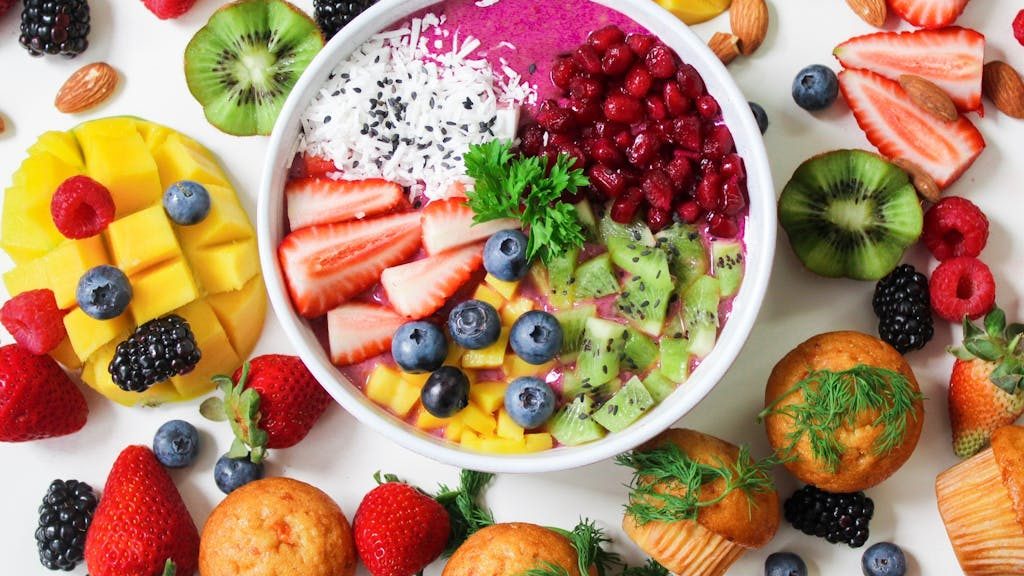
[(759, 237)]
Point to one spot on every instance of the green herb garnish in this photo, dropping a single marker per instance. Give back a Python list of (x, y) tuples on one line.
[(520, 187), (466, 515), (832, 400), (588, 540), (651, 568), (666, 484)]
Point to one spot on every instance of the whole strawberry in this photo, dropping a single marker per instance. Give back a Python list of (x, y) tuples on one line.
[(37, 399), (141, 522), (399, 530), (986, 388), (167, 9), (5, 5)]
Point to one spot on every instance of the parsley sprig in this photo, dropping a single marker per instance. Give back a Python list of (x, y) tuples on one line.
[(510, 185)]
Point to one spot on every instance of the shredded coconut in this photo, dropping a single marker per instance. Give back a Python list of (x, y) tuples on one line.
[(486, 3)]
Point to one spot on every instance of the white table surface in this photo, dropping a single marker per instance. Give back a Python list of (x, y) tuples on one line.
[(340, 456)]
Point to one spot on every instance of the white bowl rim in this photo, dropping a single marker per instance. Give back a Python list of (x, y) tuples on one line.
[(759, 239)]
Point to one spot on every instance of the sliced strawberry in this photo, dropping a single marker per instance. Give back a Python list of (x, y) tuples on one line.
[(449, 223), (929, 13), (420, 288), (360, 330), (326, 265), (322, 200), (899, 129), (317, 166), (952, 58)]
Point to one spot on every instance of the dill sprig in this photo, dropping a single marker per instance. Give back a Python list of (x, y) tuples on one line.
[(589, 542), (666, 484), (465, 513), (651, 568), (832, 400)]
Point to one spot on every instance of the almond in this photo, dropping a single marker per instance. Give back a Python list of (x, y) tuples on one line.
[(873, 12), (86, 88), (929, 97), (923, 182), (3, 125), (1003, 85), (726, 46), (749, 21)]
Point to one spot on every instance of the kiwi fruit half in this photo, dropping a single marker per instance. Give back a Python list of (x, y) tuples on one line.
[(244, 62), (850, 213)]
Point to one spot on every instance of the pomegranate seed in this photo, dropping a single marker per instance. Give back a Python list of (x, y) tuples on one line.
[(617, 60), (533, 139), (690, 81), (587, 59), (688, 133), (641, 44), (656, 109), (676, 102), (585, 111), (680, 171), (660, 62), (657, 189), (554, 118), (624, 208), (689, 211), (722, 226), (643, 150), (707, 106), (708, 190), (719, 142), (550, 153), (563, 71), (604, 38), (585, 88), (732, 166), (622, 108), (623, 139), (576, 153), (611, 183), (603, 151), (607, 129), (732, 201), (657, 219), (561, 140)]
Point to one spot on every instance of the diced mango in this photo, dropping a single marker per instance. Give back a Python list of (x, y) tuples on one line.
[(453, 431), (539, 441), (27, 229), (117, 157), (142, 240), (506, 289), (455, 353), (158, 291), (507, 427), (477, 419), (226, 222), (177, 161), (226, 267), (241, 313), (152, 134), (95, 374), (28, 276), (417, 380), (405, 397), (88, 334), (113, 126), (492, 356), (68, 262), (502, 446), (516, 367), (468, 439), (487, 294), (488, 395), (61, 145), (218, 357), (382, 384), (514, 309), (427, 421), (65, 355)]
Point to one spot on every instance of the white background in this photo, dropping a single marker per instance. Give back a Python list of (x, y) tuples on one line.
[(340, 456)]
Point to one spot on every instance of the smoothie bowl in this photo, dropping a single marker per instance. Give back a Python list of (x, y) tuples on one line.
[(517, 236)]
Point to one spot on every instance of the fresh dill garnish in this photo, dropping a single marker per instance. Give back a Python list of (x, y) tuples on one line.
[(666, 484), (510, 185), (465, 513), (651, 568), (832, 400), (588, 540)]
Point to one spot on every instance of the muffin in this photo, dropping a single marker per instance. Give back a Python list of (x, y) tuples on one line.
[(512, 549), (981, 501), (708, 533), (277, 526), (843, 411)]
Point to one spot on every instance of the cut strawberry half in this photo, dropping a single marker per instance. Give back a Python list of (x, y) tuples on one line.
[(929, 13), (360, 330), (952, 59), (449, 223), (317, 166), (326, 265), (420, 288), (321, 200), (899, 129)]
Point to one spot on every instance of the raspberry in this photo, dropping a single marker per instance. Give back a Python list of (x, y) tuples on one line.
[(81, 207), (955, 227), (1018, 27), (962, 286), (34, 320)]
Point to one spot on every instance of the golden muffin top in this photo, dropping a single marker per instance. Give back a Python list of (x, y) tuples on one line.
[(1008, 449), (511, 549)]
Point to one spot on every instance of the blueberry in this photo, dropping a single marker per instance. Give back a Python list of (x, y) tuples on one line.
[(760, 115), (419, 347), (785, 564), (446, 392), (505, 255), (884, 559), (536, 337), (103, 292), (815, 87), (187, 202), (176, 444), (474, 324), (529, 401), (233, 473)]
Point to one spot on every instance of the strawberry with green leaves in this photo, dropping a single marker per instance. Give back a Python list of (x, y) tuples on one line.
[(986, 388)]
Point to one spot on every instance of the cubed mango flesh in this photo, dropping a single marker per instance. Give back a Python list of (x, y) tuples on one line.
[(453, 431), (27, 227), (514, 309), (427, 421), (88, 334), (241, 313), (178, 161), (96, 375), (506, 289), (539, 442), (61, 145), (152, 134), (226, 222), (417, 380), (478, 419), (455, 353), (157, 291), (405, 397), (469, 440), (492, 356), (142, 240), (488, 395), (65, 355), (508, 428), (487, 294), (382, 384), (67, 263), (119, 159), (516, 367), (225, 267), (30, 275), (218, 357)]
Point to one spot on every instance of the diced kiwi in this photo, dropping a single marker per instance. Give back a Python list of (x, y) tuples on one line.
[(645, 295), (635, 232), (639, 352), (572, 385), (600, 354), (562, 279), (675, 359), (538, 274), (729, 262), (596, 279), (573, 321), (700, 314), (850, 213), (687, 256), (574, 424), (659, 386), (244, 62), (640, 259), (585, 214), (625, 407)]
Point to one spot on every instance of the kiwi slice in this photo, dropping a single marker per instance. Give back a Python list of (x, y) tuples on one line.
[(562, 279), (659, 386), (596, 279), (572, 322), (639, 352), (687, 256), (244, 62), (850, 213), (574, 424), (601, 351), (729, 264), (625, 407)]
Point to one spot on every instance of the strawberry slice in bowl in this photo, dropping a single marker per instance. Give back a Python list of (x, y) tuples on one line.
[(449, 224), (420, 288), (322, 200)]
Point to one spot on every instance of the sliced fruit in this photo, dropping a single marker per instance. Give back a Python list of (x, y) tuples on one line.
[(900, 129), (585, 214), (382, 383), (218, 356), (505, 288), (360, 330), (729, 264), (226, 222), (695, 11), (601, 351), (951, 58), (328, 264), (636, 232), (225, 267), (573, 322), (639, 352), (596, 279), (675, 360), (157, 291), (66, 264), (850, 213), (449, 223), (625, 407), (88, 334), (485, 293), (574, 423), (929, 13), (659, 386), (492, 356), (645, 296), (322, 200), (241, 314), (61, 145), (31, 275), (142, 240), (687, 257), (488, 395), (420, 288), (516, 308), (700, 315), (117, 157), (179, 158), (562, 279)]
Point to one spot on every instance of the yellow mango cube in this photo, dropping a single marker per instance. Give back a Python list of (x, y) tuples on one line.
[(492, 356), (539, 442), (178, 161), (488, 395), (405, 397), (218, 357), (88, 334), (382, 384), (142, 240), (455, 353), (226, 267), (417, 380), (516, 367), (95, 374), (28, 276), (506, 289), (61, 145), (470, 441), (241, 314), (453, 431), (514, 309), (487, 294), (158, 291), (226, 222), (507, 427), (478, 419), (427, 421), (152, 134), (117, 157), (65, 355), (27, 228), (68, 262), (502, 446)]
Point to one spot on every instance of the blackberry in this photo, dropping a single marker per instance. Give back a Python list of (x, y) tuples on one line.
[(333, 15), (903, 306), (64, 518), (157, 350), (55, 27), (834, 517)]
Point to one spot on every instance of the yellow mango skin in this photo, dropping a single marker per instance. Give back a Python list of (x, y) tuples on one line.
[(66, 264), (218, 356), (117, 157)]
